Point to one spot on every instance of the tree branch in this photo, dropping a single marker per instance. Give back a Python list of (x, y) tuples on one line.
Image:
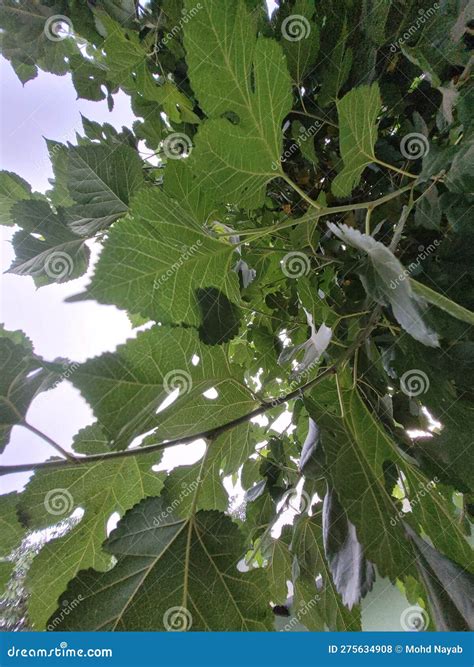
[(50, 441), (211, 433), (159, 446)]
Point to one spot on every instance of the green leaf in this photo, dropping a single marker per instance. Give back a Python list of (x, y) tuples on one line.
[(335, 73), (142, 374), (6, 570), (100, 179), (22, 378), (244, 89), (279, 571), (358, 112), (309, 550), (460, 177), (154, 262), (45, 248), (300, 38), (99, 490), (165, 573), (389, 284), (12, 189), (352, 574), (375, 18), (450, 588), (12, 532), (182, 485), (441, 301), (29, 38), (356, 449)]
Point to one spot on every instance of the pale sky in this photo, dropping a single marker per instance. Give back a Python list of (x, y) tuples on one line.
[(47, 107)]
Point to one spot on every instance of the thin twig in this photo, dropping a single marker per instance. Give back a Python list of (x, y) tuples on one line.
[(50, 441)]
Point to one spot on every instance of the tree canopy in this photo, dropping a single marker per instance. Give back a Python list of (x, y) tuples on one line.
[(287, 225)]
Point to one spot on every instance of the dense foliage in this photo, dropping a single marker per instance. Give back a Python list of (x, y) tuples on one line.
[(287, 224)]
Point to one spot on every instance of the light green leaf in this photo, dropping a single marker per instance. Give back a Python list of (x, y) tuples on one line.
[(99, 179), (358, 112), (245, 91), (100, 490), (12, 189), (171, 574), (21, 379), (300, 38), (46, 249), (279, 571), (154, 261), (126, 388), (183, 482)]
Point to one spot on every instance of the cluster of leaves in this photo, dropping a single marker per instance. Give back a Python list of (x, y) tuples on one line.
[(258, 217)]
